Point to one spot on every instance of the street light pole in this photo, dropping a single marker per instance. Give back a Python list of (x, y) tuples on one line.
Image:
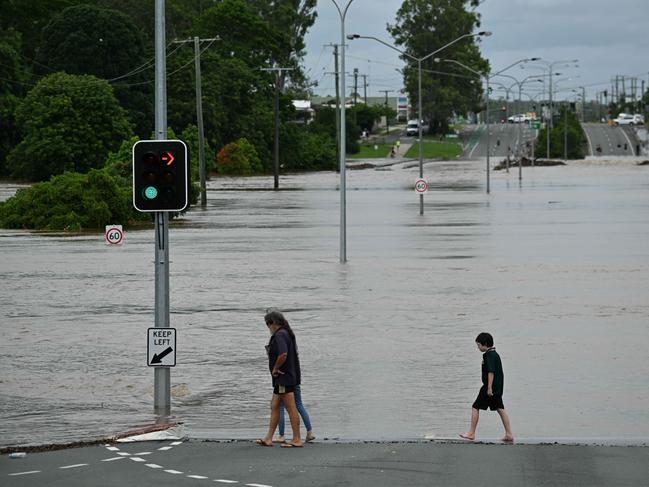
[(419, 103), (487, 77), (343, 188)]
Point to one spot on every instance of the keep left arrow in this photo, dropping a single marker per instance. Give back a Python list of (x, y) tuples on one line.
[(158, 358)]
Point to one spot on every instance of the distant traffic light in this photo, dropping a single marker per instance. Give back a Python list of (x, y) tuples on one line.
[(160, 175)]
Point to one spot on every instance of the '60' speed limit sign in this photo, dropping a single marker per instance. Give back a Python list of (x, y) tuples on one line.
[(421, 186), (114, 235)]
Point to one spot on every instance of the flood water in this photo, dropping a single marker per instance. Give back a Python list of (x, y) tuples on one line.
[(556, 268)]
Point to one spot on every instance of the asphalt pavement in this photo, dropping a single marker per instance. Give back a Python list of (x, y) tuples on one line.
[(416, 463)]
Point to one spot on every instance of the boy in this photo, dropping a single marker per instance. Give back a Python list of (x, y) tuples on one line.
[(491, 392)]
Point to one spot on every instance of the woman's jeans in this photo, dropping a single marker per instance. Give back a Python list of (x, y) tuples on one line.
[(300, 409)]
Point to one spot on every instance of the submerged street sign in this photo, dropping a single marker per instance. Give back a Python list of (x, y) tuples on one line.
[(161, 347)]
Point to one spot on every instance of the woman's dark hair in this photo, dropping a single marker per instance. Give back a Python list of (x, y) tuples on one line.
[(274, 316), (485, 339)]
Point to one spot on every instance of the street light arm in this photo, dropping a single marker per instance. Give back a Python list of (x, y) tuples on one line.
[(483, 33), (404, 53), (462, 65)]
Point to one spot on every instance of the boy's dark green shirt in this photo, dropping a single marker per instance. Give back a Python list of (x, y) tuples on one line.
[(491, 363)]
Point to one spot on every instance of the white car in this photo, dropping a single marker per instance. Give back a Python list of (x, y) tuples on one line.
[(518, 118), (412, 128), (628, 119)]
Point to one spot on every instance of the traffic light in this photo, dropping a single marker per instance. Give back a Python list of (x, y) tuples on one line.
[(160, 175)]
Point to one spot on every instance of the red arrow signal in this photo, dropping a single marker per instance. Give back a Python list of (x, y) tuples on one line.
[(167, 157)]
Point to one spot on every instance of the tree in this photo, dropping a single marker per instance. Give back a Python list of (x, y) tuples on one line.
[(575, 134), (68, 123), (87, 39), (423, 26), (12, 87)]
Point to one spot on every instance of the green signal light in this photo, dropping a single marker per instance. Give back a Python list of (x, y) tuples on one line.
[(150, 193)]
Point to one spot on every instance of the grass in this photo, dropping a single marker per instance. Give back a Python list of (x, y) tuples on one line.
[(434, 149), (367, 151)]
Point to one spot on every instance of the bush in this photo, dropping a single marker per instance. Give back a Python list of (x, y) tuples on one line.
[(72, 202), (238, 158), (302, 150), (68, 123)]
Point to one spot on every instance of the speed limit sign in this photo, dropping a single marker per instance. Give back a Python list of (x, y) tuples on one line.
[(114, 235), (421, 186)]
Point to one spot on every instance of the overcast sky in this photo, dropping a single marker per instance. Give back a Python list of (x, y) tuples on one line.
[(609, 37)]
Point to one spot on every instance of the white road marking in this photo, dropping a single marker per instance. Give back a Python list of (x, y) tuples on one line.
[(112, 448), (24, 473), (628, 140), (590, 142), (175, 472), (141, 454), (123, 453), (224, 481), (164, 448), (74, 466), (153, 465), (113, 459), (176, 443), (199, 477), (137, 459), (258, 485)]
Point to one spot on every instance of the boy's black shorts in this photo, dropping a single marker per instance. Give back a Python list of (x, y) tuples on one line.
[(484, 401)]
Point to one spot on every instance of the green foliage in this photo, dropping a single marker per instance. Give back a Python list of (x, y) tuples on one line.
[(68, 123), (87, 39), (71, 202), (12, 79), (366, 116), (575, 133), (325, 123), (421, 27), (190, 137), (303, 150), (238, 158)]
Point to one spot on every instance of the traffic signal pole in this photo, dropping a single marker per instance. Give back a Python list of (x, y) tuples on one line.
[(162, 375)]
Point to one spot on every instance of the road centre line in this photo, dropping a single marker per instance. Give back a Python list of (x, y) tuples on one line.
[(198, 477), (113, 459), (138, 459), (153, 465), (224, 481), (74, 466), (24, 473), (258, 485), (175, 472)]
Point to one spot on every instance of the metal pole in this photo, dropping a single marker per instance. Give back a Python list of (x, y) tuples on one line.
[(420, 122), (276, 142), (161, 375), (199, 120), (488, 135), (520, 141), (548, 124), (565, 134), (337, 103)]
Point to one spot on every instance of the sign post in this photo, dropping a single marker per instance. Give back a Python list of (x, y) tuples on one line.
[(421, 186)]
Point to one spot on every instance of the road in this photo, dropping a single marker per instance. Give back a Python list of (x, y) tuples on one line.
[(503, 137), (613, 141), (330, 464)]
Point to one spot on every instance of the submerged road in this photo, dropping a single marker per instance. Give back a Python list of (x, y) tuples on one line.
[(329, 464), (503, 138), (605, 140)]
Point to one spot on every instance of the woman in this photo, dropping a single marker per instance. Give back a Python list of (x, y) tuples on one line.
[(284, 366)]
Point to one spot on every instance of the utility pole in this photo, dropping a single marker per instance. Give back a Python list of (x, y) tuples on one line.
[(337, 110), (199, 112), (355, 93), (278, 72), (365, 88), (387, 114)]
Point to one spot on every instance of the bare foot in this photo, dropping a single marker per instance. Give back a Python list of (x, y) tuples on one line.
[(264, 442), (310, 436), (467, 436), (280, 439), (507, 439)]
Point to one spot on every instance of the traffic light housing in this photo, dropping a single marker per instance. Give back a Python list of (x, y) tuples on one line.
[(160, 175)]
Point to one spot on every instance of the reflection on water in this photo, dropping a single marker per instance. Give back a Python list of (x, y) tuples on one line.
[(557, 269)]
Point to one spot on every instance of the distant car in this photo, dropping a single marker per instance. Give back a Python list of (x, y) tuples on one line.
[(412, 128), (628, 119), (518, 119)]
